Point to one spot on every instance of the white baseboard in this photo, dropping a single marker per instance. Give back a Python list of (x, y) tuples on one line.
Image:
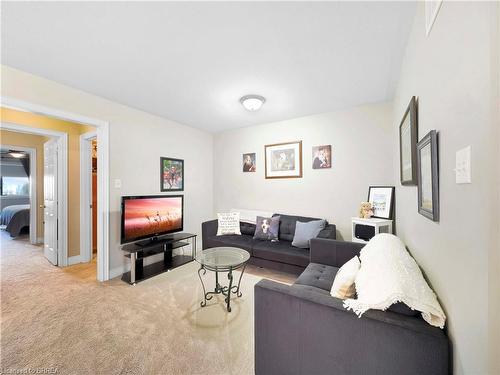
[(75, 260), (39, 240)]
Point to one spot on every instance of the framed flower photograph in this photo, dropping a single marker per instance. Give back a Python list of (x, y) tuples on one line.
[(428, 176), (283, 160), (382, 200), (408, 145), (171, 174)]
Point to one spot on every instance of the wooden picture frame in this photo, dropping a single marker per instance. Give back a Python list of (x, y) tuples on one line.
[(382, 200), (283, 160), (428, 176), (408, 135), (171, 180)]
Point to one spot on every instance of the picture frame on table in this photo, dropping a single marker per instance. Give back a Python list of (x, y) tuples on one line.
[(171, 174), (428, 176), (283, 160), (382, 201), (408, 135)]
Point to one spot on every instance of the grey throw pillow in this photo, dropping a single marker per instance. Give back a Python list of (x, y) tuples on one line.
[(267, 228), (304, 232)]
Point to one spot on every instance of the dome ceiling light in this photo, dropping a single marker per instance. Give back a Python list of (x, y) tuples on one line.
[(252, 103)]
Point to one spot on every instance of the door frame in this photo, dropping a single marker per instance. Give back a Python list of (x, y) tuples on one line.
[(62, 186), (86, 195), (33, 190), (102, 173)]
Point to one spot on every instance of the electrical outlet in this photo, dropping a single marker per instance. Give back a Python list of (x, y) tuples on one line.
[(118, 183)]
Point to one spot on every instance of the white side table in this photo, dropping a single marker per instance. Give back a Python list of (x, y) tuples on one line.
[(379, 225)]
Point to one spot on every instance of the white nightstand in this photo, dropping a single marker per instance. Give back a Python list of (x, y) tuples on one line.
[(379, 225)]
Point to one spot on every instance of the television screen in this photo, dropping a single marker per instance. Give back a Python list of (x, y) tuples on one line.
[(151, 216)]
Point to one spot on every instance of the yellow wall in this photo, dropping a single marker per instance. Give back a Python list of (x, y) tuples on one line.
[(36, 142), (74, 131)]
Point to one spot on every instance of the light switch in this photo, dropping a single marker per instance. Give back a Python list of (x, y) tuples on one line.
[(463, 166), (118, 183)]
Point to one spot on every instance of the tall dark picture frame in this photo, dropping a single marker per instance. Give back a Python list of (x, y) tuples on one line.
[(408, 135), (428, 176), (171, 180)]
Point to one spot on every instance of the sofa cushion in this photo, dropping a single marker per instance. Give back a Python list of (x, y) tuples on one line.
[(304, 232), (402, 308), (318, 275), (247, 228), (309, 289), (287, 225), (281, 251), (231, 240)]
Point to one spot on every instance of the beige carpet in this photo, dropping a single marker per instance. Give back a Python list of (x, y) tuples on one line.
[(64, 319)]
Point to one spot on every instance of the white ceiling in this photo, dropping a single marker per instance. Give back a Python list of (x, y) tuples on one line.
[(191, 62)]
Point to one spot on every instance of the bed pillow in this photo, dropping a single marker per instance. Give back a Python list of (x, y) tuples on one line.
[(343, 286), (267, 228), (228, 223), (304, 232)]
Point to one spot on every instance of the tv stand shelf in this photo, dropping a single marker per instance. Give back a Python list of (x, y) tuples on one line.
[(137, 252)]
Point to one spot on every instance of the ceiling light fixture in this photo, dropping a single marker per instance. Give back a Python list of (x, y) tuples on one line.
[(252, 103), (16, 154)]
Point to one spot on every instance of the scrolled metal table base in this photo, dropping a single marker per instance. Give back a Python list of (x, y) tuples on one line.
[(219, 289)]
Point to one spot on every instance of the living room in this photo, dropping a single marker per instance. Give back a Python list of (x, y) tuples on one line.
[(221, 91)]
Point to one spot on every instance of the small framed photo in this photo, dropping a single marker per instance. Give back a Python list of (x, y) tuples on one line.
[(322, 157), (171, 174), (283, 160), (249, 162), (408, 145), (428, 176), (382, 200)]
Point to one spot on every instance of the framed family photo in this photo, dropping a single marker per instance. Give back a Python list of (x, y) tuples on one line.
[(382, 200), (322, 157), (283, 160), (428, 176), (408, 145), (249, 162), (171, 174)]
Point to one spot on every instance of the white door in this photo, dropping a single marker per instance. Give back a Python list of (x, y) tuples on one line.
[(50, 200)]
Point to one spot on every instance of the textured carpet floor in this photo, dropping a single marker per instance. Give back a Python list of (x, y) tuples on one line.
[(64, 319)]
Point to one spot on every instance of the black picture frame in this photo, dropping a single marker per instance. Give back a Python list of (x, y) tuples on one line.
[(408, 135), (428, 176), (167, 180), (389, 191)]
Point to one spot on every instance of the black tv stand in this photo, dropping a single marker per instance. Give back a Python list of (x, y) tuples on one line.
[(138, 251)]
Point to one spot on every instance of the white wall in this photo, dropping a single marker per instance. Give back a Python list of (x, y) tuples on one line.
[(361, 156), (137, 141), (452, 72)]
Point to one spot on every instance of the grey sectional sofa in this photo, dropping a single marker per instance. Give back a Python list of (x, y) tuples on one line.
[(301, 329), (279, 255)]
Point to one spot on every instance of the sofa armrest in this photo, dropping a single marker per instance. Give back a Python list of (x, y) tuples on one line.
[(330, 231), (208, 229), (303, 332), (333, 252)]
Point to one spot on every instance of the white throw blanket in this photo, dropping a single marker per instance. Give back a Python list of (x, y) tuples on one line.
[(388, 275)]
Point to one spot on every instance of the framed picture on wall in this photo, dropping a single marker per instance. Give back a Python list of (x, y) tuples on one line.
[(322, 157), (283, 160), (428, 176), (382, 200), (249, 162), (171, 174), (408, 145)]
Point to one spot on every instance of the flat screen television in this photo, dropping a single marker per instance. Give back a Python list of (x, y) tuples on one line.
[(151, 216)]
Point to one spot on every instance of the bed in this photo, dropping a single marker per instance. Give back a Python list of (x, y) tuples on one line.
[(15, 218)]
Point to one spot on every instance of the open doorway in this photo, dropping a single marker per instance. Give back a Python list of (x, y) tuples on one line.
[(88, 196)]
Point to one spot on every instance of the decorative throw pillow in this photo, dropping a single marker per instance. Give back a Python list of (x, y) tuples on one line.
[(267, 228), (228, 223), (304, 232), (343, 285)]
